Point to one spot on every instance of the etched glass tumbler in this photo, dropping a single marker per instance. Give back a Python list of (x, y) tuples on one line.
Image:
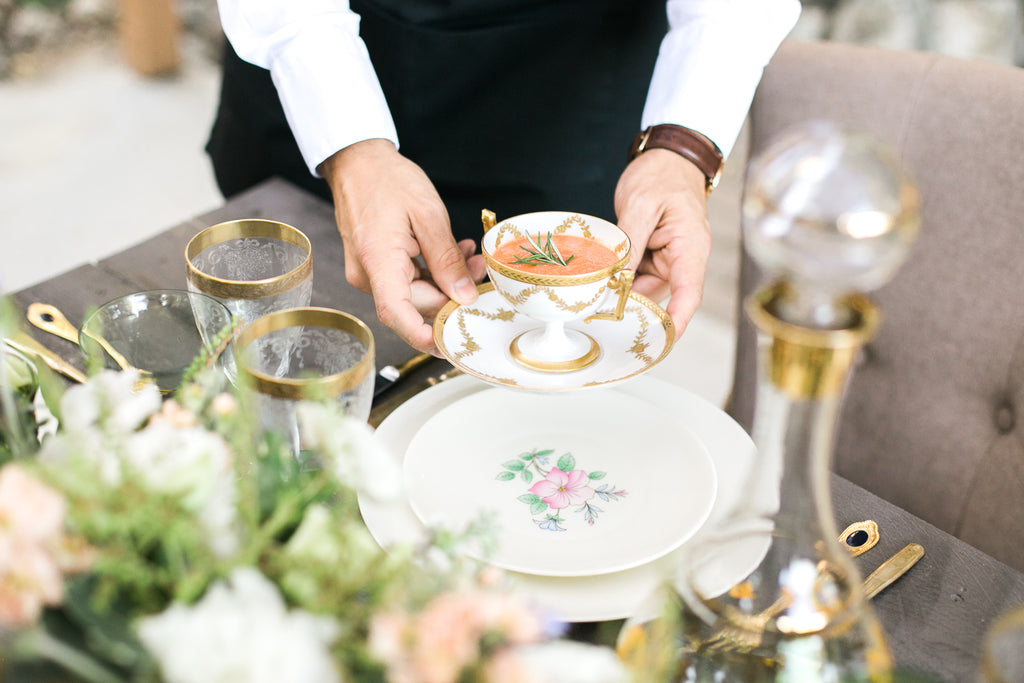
[(253, 266), (306, 354)]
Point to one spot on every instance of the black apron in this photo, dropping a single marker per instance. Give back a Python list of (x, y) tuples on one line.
[(511, 105)]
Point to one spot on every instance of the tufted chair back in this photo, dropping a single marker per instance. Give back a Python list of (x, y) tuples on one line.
[(933, 419)]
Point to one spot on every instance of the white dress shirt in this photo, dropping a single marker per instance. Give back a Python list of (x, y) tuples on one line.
[(707, 70)]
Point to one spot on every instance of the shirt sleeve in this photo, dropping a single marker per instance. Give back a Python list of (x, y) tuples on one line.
[(320, 67), (711, 61)]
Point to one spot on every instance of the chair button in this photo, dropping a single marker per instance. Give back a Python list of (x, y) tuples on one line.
[(1005, 419)]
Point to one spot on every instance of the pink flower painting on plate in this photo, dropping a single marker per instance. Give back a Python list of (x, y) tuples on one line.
[(561, 487)]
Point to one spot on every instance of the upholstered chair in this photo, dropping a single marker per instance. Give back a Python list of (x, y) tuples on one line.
[(933, 419)]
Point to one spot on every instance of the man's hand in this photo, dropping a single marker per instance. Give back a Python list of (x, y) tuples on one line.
[(389, 215), (661, 204)]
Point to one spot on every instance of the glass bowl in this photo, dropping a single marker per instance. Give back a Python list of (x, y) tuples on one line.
[(159, 332)]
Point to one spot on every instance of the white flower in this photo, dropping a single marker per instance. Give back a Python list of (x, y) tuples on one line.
[(345, 544), (324, 541), (194, 464), (114, 401), (348, 444), (241, 632), (88, 446), (168, 456)]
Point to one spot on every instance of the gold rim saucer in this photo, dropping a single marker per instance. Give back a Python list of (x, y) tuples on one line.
[(478, 339)]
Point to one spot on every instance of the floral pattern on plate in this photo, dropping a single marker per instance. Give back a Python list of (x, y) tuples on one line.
[(561, 486)]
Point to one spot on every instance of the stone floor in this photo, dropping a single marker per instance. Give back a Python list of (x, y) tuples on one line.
[(94, 158)]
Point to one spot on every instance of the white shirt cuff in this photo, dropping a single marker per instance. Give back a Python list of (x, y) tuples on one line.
[(711, 62), (326, 117)]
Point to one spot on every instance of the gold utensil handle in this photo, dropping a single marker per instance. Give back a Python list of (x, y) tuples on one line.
[(869, 528), (414, 362), (29, 346), (49, 319), (892, 569)]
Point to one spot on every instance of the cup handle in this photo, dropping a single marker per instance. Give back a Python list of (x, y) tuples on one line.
[(623, 282), (488, 218)]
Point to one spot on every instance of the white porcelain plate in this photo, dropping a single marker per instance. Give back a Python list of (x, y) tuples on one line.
[(477, 338), (574, 484), (599, 597)]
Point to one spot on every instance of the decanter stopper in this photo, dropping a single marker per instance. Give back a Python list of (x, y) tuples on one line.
[(829, 212)]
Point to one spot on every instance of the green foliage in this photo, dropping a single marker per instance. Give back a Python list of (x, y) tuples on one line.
[(18, 385), (147, 544), (49, 4), (212, 351)]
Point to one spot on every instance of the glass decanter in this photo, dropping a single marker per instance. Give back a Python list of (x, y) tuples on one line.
[(768, 593)]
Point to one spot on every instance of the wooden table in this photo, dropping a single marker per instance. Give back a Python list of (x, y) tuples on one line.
[(935, 616)]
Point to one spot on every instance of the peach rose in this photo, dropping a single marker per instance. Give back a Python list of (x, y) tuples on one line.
[(34, 551)]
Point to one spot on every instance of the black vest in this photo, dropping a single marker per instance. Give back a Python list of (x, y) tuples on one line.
[(511, 105)]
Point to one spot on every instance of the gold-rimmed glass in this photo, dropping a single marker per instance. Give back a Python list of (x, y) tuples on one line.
[(306, 354), (254, 266)]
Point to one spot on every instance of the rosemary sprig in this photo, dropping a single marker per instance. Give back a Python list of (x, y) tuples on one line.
[(538, 255)]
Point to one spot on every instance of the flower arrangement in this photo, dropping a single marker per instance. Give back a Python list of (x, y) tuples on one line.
[(147, 538)]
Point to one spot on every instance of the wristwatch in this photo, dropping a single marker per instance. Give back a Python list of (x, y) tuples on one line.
[(688, 143)]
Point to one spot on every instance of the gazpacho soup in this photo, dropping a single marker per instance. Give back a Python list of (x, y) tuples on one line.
[(555, 255)]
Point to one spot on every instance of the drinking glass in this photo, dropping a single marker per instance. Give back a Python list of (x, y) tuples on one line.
[(159, 332), (306, 353), (254, 266)]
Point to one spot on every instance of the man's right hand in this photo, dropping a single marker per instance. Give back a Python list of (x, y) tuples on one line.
[(389, 215)]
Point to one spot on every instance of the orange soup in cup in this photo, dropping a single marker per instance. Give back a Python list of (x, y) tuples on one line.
[(580, 254)]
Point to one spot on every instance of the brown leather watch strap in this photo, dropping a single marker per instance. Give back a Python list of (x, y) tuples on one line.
[(689, 143)]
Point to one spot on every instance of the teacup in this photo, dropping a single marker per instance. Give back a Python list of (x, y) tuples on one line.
[(556, 285)]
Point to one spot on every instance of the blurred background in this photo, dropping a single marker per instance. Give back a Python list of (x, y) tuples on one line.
[(105, 106)]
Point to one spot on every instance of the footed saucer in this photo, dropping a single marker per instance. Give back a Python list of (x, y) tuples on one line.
[(480, 339)]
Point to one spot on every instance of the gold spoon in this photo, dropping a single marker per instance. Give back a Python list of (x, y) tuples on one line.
[(50, 319), (21, 341)]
